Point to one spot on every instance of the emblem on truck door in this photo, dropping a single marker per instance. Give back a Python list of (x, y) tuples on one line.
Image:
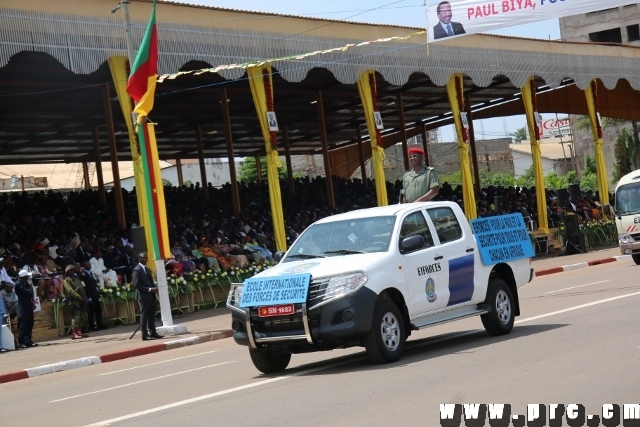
[(430, 289)]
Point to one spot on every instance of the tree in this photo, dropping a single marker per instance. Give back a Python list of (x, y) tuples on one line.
[(519, 135), (583, 123), (248, 171), (166, 182), (589, 166), (623, 154), (528, 179)]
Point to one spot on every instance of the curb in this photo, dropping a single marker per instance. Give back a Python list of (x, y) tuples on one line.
[(112, 357), (581, 265)]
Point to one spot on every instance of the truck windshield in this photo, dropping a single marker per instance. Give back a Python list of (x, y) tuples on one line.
[(348, 237), (628, 199)]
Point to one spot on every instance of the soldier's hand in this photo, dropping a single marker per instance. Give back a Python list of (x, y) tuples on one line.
[(153, 290)]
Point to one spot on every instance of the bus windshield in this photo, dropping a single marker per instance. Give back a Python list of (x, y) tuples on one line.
[(628, 199)]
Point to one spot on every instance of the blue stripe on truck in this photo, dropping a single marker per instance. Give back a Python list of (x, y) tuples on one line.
[(460, 280)]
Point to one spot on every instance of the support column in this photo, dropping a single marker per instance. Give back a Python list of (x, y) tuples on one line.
[(96, 149), (258, 168), (596, 130), (368, 96), (287, 153), (203, 169), (403, 131), (85, 175), (113, 153), (179, 172), (325, 150), (530, 105), (261, 84), (472, 143), (425, 144), (363, 169), (455, 91), (226, 117)]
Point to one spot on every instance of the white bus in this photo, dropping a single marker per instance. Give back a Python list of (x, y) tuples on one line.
[(627, 214)]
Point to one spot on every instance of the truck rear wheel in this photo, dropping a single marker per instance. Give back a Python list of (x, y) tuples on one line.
[(499, 320), (268, 361), (636, 258), (385, 341)]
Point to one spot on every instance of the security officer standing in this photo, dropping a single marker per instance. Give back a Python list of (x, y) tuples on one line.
[(77, 300), (92, 290), (419, 184), (146, 292), (26, 305)]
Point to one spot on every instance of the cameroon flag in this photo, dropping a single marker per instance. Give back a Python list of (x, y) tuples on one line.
[(141, 87)]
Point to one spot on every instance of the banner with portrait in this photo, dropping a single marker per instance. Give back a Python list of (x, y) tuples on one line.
[(459, 17)]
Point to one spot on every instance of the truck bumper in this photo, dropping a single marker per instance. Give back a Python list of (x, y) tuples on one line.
[(325, 326), (630, 248)]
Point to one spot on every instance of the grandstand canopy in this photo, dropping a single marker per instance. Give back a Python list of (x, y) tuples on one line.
[(53, 75)]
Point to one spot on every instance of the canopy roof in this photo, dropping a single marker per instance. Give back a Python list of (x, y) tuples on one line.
[(53, 71)]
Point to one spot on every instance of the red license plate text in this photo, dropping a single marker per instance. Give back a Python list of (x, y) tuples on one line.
[(276, 310)]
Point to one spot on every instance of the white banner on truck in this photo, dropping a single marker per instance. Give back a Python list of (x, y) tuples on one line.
[(458, 17)]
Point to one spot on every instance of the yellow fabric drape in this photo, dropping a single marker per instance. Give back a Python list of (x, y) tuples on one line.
[(273, 162), (377, 152), (117, 66), (601, 168), (536, 154), (468, 196)]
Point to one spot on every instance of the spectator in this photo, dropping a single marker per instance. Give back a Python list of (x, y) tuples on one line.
[(10, 299), (99, 270), (2, 314)]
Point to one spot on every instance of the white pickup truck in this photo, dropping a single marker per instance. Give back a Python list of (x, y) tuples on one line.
[(370, 277)]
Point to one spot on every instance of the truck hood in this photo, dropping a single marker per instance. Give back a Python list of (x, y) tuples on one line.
[(325, 267)]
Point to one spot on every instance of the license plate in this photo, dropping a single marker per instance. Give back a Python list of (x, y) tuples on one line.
[(276, 310)]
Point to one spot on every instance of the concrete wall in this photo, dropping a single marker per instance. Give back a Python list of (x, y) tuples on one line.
[(578, 27)]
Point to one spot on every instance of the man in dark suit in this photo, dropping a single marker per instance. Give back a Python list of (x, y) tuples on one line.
[(146, 292), (92, 289), (446, 28)]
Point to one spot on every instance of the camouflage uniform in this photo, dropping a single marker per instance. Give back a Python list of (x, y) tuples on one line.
[(77, 300)]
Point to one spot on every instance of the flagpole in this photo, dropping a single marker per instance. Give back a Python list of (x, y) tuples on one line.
[(124, 4)]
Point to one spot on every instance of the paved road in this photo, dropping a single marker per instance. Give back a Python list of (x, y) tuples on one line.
[(577, 341)]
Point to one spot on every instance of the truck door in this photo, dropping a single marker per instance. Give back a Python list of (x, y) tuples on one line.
[(456, 253), (423, 273)]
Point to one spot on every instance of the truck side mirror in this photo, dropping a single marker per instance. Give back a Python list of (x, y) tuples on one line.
[(412, 243), (277, 257)]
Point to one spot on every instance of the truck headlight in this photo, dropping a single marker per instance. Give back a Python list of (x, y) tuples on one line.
[(235, 295), (343, 285), (626, 238)]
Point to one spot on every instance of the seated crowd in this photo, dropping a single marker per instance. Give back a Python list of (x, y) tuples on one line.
[(44, 232)]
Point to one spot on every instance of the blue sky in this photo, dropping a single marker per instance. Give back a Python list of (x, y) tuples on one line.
[(410, 13)]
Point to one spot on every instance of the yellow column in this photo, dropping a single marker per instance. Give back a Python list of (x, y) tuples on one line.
[(257, 82), (596, 129), (528, 97), (377, 152), (117, 66), (455, 89)]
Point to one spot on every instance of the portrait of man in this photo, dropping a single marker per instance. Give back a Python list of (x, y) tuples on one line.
[(446, 28)]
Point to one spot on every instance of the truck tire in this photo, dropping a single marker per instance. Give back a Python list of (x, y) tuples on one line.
[(636, 258), (385, 340), (499, 319), (269, 362)]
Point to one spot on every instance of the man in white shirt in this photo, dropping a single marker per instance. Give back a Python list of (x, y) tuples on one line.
[(103, 274)]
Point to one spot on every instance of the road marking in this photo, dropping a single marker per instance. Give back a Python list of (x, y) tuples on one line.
[(321, 368), (574, 287), (577, 307), (137, 382), (223, 392), (157, 363)]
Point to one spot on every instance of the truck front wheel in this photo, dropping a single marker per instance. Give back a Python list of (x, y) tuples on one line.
[(499, 319), (385, 341), (268, 361)]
